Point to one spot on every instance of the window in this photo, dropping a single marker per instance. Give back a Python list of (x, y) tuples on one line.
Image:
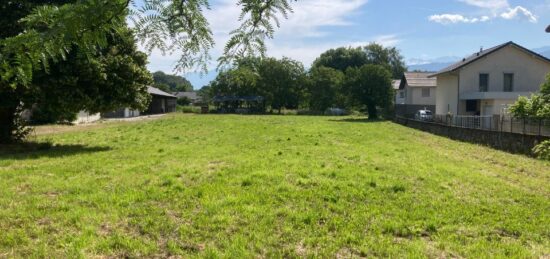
[(483, 82), (401, 94), (508, 82), (471, 105), (426, 92)]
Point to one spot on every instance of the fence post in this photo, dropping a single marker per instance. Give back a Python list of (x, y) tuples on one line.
[(523, 126)]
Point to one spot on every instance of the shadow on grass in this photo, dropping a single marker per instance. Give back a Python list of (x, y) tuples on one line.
[(35, 150), (358, 120)]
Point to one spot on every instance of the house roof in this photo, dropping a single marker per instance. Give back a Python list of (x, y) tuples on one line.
[(155, 91), (483, 53), (417, 79), (190, 95), (396, 84), (220, 98)]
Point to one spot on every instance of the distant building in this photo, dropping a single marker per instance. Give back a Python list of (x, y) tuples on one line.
[(161, 102), (489, 81), (418, 88), (416, 91), (194, 97), (399, 94)]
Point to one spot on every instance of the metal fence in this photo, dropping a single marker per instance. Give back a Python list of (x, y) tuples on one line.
[(500, 123)]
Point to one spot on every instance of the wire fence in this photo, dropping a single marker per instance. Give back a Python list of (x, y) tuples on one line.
[(499, 123)]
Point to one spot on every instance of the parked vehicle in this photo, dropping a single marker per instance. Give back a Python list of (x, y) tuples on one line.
[(423, 115)]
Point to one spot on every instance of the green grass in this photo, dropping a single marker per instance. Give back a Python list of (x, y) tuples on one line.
[(270, 186)]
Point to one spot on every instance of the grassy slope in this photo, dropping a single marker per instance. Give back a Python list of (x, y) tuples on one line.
[(271, 186)]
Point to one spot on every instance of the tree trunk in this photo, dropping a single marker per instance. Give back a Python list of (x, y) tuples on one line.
[(373, 113)]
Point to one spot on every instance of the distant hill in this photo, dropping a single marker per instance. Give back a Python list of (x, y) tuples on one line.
[(431, 67), (438, 64)]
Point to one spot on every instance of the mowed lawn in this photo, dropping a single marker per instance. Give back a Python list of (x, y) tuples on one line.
[(270, 186)]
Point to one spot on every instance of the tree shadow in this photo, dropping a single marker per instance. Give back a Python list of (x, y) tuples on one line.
[(358, 120), (36, 150)]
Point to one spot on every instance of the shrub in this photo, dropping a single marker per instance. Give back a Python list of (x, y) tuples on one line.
[(184, 101), (189, 109), (542, 150)]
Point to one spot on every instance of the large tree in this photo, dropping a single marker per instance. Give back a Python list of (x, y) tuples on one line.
[(240, 81), (325, 89), (114, 77), (390, 57), (282, 82), (370, 86), (375, 54), (49, 33), (341, 58)]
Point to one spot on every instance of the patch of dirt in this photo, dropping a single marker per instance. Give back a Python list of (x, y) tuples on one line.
[(55, 129)]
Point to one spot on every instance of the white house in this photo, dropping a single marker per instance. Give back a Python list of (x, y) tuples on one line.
[(193, 97), (399, 94), (488, 81), (418, 88)]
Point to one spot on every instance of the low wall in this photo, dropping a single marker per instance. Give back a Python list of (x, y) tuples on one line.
[(510, 142)]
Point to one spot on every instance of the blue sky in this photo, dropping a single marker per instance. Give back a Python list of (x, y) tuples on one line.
[(424, 30)]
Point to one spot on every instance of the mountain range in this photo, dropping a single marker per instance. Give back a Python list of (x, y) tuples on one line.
[(443, 62)]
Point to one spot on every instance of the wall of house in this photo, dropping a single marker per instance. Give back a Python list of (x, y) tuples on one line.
[(414, 96), (529, 72), (446, 94)]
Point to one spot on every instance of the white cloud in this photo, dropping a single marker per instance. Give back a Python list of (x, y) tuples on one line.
[(307, 20), (488, 4), (492, 8), (310, 16), (519, 12), (456, 18)]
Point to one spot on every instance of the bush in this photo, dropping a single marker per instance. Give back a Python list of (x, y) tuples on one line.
[(189, 109), (542, 150), (184, 101)]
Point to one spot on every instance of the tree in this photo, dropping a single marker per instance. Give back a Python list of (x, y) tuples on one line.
[(282, 83), (239, 81), (205, 93), (49, 33), (538, 107), (371, 86), (171, 83), (388, 57), (325, 88), (115, 77), (376, 54), (341, 58)]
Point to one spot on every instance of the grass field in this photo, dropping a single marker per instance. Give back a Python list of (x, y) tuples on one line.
[(270, 186)]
